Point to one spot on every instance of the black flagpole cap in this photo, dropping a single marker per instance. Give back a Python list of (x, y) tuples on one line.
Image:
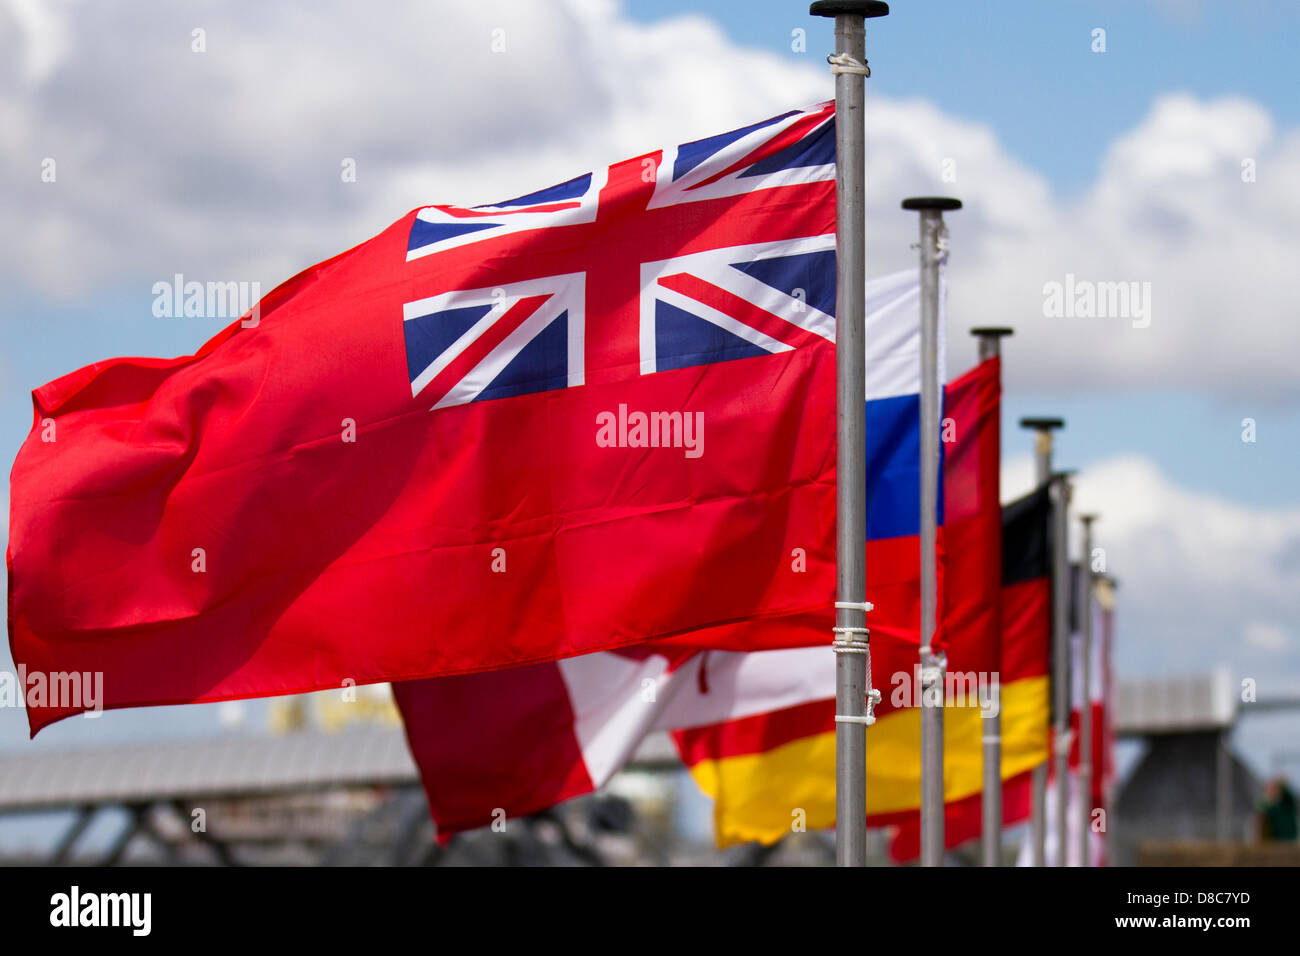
[(1048, 423), (942, 203), (863, 8), (995, 330)]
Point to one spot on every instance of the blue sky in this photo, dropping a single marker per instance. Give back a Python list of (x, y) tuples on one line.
[(1026, 66), (223, 166)]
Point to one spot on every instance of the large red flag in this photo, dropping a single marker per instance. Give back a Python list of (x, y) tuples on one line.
[(590, 417)]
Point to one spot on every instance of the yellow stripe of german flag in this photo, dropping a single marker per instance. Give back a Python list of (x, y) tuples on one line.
[(763, 796)]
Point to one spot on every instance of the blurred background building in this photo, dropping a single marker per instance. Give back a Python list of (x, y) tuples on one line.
[(326, 779)]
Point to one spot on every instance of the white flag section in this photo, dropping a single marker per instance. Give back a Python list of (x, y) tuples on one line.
[(893, 332), (616, 701), (1051, 853), (1097, 699)]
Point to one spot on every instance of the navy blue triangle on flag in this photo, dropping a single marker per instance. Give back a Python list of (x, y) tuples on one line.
[(542, 364), (807, 275), (682, 340), (428, 336)]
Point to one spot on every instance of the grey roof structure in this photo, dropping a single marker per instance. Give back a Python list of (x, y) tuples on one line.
[(247, 765), (1163, 705), (227, 766)]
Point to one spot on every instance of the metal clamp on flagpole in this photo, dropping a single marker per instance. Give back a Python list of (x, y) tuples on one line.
[(847, 63), (848, 644), (933, 668)]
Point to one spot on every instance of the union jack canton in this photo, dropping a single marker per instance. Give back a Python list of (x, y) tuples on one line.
[(719, 249)]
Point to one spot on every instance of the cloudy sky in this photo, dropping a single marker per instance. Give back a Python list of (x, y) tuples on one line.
[(1172, 158)]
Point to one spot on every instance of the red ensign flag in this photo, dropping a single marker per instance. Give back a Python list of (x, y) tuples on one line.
[(594, 416)]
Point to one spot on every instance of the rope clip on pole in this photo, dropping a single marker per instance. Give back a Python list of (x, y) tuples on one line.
[(848, 643)]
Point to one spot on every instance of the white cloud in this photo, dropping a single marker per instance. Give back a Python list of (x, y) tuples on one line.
[(1265, 636), (1203, 580), (226, 164), (1170, 209), (1235, 553), (45, 37), (1017, 476)]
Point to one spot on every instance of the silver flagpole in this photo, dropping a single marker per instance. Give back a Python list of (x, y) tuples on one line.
[(1085, 705), (853, 709), (1061, 491), (933, 245), (990, 346), (1043, 428), (1107, 585)]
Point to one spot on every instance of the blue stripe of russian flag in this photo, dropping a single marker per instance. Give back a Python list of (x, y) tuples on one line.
[(894, 405)]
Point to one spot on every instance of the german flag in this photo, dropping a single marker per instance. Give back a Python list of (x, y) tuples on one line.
[(1026, 618)]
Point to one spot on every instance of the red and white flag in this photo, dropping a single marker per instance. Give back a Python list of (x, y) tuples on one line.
[(1098, 700)]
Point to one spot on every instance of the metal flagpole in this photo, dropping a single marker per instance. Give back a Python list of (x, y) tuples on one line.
[(1043, 428), (1107, 585), (990, 346), (853, 708), (1085, 705), (1061, 491), (933, 247)]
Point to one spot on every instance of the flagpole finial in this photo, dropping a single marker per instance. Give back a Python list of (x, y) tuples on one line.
[(1042, 424), (941, 203), (990, 345), (867, 9)]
